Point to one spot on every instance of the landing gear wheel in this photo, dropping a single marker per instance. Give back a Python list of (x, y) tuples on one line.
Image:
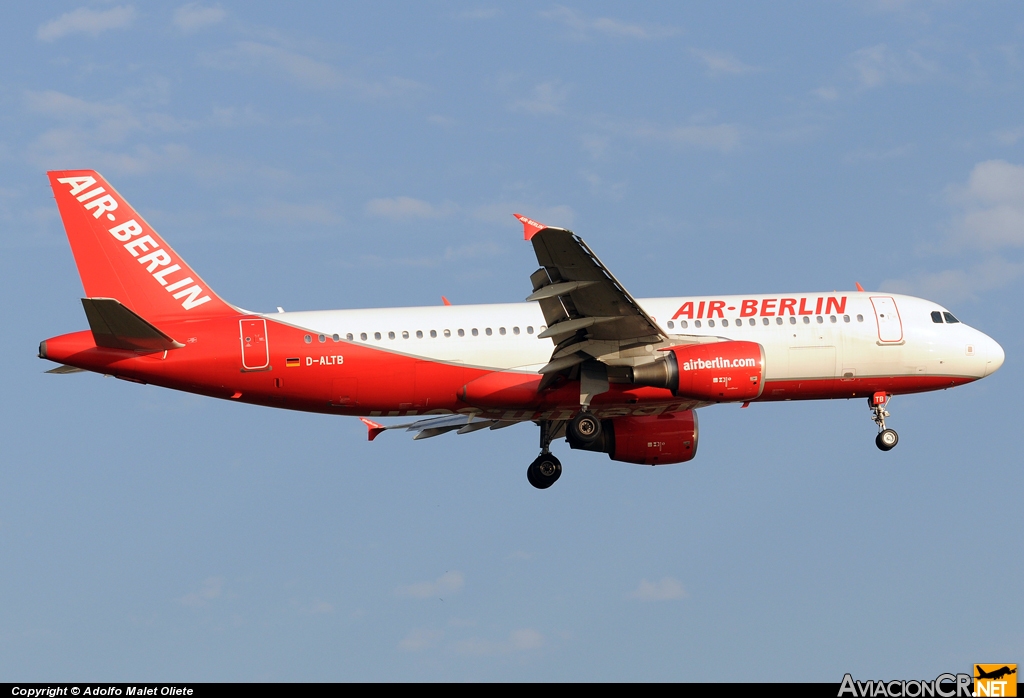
[(544, 471), (585, 427), (887, 439)]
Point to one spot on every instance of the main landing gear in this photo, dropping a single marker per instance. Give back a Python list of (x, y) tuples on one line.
[(887, 438), (544, 471)]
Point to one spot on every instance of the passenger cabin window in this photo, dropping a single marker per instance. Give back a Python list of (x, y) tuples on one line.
[(752, 322), (447, 333), (307, 339), (488, 332), (462, 333), (529, 329), (501, 330), (684, 324), (846, 318), (778, 321), (807, 320), (349, 337), (832, 319), (475, 332), (362, 336), (376, 335), (391, 335), (515, 330), (764, 321), (725, 323), (419, 334), (820, 319), (860, 318), (696, 323), (433, 334), (937, 317), (949, 317), (405, 334), (671, 325), (711, 323), (792, 319)]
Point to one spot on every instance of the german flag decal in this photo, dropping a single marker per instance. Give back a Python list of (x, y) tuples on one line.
[(292, 362)]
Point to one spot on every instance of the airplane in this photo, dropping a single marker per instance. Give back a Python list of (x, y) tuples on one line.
[(581, 357)]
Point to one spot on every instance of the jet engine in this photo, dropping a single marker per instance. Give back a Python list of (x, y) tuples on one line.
[(649, 440), (730, 371)]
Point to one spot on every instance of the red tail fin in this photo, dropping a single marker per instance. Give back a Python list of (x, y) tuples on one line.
[(120, 256)]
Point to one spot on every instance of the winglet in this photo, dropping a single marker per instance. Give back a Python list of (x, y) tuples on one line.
[(530, 226), (859, 287), (373, 429), (445, 301)]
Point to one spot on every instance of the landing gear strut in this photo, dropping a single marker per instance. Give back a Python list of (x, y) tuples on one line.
[(887, 438), (544, 471)]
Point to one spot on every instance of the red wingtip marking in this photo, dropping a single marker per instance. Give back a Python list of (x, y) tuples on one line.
[(859, 287), (530, 226), (373, 429), (446, 301)]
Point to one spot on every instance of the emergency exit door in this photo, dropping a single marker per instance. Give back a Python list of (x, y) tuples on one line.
[(255, 350)]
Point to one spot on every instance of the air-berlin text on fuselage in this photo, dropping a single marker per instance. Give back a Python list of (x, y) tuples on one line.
[(765, 307), (159, 262)]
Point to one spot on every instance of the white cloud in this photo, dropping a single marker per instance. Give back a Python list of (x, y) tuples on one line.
[(501, 213), (193, 17), (723, 63), (448, 583), (666, 589), (989, 224), (581, 26), (86, 21), (211, 589), (951, 286), (1009, 136), (994, 203), (724, 138), (407, 208), (420, 639), (878, 65), (481, 13), (306, 71), (546, 98), (522, 640), (828, 94)]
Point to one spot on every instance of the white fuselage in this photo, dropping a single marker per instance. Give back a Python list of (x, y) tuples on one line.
[(854, 335)]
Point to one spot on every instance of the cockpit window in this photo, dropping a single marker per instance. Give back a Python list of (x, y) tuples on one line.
[(936, 317), (949, 317)]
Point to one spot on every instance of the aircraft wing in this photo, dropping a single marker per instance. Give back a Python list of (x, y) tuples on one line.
[(589, 314)]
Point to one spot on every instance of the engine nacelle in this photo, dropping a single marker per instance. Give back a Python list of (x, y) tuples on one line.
[(730, 371), (650, 440)]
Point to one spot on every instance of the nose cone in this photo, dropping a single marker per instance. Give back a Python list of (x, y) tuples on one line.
[(993, 355)]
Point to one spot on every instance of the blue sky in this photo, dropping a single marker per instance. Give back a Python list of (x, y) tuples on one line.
[(333, 156)]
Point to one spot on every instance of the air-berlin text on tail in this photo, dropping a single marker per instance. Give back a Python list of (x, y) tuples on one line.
[(159, 262), (766, 307)]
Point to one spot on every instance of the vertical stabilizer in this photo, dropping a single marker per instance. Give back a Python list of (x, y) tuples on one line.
[(120, 256)]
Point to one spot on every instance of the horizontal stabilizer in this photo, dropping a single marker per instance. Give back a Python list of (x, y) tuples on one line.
[(64, 368), (116, 327)]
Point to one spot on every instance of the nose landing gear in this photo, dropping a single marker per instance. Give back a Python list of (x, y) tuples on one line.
[(887, 438)]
